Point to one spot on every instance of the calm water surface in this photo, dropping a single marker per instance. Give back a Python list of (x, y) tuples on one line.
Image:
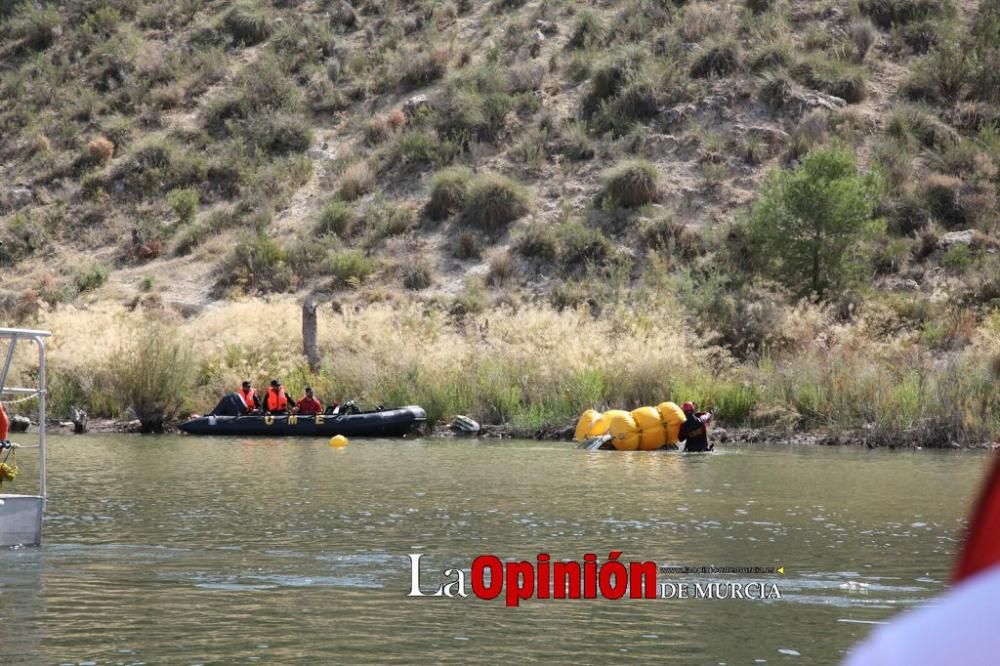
[(182, 550)]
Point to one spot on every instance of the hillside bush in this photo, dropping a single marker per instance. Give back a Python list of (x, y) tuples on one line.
[(247, 24), (889, 13), (337, 218), (448, 191), (631, 184), (493, 201), (349, 268)]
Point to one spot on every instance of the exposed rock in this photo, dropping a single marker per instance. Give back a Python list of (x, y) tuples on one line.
[(13, 198), (19, 423), (546, 27), (415, 104), (807, 100), (772, 136), (965, 237), (678, 113)]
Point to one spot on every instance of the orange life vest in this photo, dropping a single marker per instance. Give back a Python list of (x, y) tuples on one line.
[(4, 423), (276, 400), (248, 397)]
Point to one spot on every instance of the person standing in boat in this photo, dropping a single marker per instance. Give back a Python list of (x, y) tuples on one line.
[(694, 430), (250, 397), (309, 405), (276, 400)]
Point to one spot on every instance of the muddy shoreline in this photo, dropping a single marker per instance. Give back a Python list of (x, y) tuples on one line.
[(735, 436)]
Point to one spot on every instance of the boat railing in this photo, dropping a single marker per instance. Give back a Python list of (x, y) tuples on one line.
[(21, 515)]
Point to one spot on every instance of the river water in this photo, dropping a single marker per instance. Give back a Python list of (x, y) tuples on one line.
[(182, 550)]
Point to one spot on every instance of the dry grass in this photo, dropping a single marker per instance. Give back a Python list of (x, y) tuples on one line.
[(356, 181), (100, 149)]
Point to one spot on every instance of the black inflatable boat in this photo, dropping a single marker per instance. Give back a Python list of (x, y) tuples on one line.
[(394, 422)]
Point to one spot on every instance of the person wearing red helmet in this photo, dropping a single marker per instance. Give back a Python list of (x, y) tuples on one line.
[(694, 430)]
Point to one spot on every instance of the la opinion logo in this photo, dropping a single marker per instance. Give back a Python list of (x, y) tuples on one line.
[(490, 577)]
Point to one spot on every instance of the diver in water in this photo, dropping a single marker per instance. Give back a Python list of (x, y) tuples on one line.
[(694, 430)]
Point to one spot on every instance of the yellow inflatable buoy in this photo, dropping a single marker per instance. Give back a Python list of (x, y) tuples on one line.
[(338, 441)]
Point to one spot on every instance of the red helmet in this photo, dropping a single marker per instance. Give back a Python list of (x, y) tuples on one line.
[(688, 406)]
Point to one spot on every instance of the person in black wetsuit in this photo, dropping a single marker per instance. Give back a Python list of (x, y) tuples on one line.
[(694, 430)]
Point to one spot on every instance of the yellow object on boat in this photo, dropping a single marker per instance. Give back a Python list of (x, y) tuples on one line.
[(652, 434), (672, 416)]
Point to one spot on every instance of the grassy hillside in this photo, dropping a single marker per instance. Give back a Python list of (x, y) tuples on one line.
[(499, 160)]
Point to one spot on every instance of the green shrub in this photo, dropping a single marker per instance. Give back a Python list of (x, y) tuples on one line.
[(36, 26), (153, 374), (888, 13), (758, 6), (277, 133), (493, 201), (184, 203), (418, 275), (539, 241), (90, 276), (941, 76), (631, 184), (247, 24), (588, 31), (389, 219), (337, 218), (349, 268), (719, 60), (465, 245), (580, 243), (775, 89), (942, 194), (418, 147), (833, 77), (465, 116), (958, 258), (24, 236), (472, 299), (422, 68), (448, 191), (807, 223), (258, 263)]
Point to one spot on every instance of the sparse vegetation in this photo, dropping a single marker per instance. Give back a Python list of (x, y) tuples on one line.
[(493, 201), (633, 183)]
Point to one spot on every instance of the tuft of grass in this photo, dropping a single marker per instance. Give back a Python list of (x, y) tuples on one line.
[(631, 184), (889, 13), (152, 374), (90, 276), (720, 60), (247, 24), (448, 191), (418, 275), (493, 201), (337, 218), (36, 26), (349, 268), (356, 181)]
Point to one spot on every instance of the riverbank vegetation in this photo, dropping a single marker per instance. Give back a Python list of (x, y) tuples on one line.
[(785, 209), (534, 366)]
